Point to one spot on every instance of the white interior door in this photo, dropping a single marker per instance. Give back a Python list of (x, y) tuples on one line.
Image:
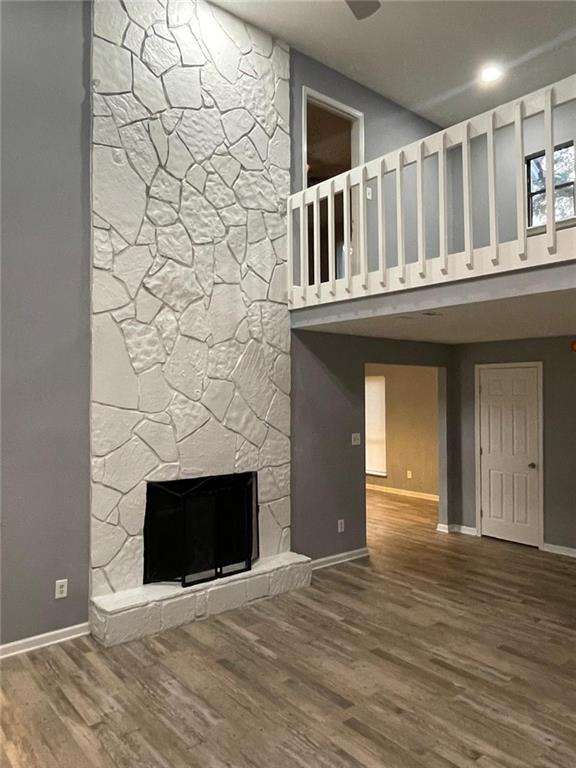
[(509, 453), (375, 399)]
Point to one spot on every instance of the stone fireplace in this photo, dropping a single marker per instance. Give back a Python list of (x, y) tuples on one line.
[(190, 329)]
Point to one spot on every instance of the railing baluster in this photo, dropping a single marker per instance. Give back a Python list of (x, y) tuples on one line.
[(303, 248), (443, 206), (420, 210), (521, 202), (331, 238), (550, 192), (381, 223), (400, 217), (289, 250), (491, 152), (316, 209), (346, 218), (362, 245), (467, 193)]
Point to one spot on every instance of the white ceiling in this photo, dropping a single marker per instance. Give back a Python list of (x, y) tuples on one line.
[(426, 54), (522, 317)]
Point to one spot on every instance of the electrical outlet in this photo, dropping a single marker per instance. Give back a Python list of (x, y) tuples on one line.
[(368, 193), (356, 438), (409, 474), (340, 526), (61, 589)]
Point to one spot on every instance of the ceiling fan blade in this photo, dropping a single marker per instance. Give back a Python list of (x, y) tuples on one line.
[(362, 9)]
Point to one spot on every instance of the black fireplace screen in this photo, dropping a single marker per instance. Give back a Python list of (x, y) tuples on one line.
[(201, 529)]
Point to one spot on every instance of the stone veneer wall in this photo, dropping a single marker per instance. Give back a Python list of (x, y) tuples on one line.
[(190, 330)]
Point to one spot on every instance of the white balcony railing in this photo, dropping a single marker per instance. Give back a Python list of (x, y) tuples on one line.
[(449, 207)]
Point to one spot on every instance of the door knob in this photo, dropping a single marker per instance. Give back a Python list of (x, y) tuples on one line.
[(532, 465)]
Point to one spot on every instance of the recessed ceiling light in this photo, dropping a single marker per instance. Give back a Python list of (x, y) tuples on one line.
[(491, 73)]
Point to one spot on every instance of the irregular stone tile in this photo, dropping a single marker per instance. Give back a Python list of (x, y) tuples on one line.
[(234, 27), (254, 190), (254, 319), (144, 345), (281, 181), (147, 306), (204, 267), (161, 29), (280, 62), (226, 597), (186, 367), (201, 131), (160, 437), (226, 311), (148, 87), (222, 50), (159, 139), (243, 420), (174, 243), (281, 373), (125, 570), (140, 150), (97, 469), (99, 106), (282, 478), (260, 257), (113, 379), (102, 247), (127, 465), (118, 242), (254, 287), (187, 415), (174, 284), (160, 55), (270, 533), (227, 167), (281, 511), (147, 234), (107, 292), (226, 267), (246, 457), (251, 376), (245, 152), (155, 394), (180, 610), (126, 108), (145, 12), (197, 176), (111, 427), (190, 50), (225, 95), (285, 540), (119, 194), (111, 67), (237, 123), (276, 324), (131, 265), (179, 159), (280, 249), (104, 131), (167, 324), (237, 242), (194, 322), (282, 102), (222, 359), (180, 12), (199, 217), (170, 119), (247, 68), (160, 213), (279, 152), (183, 87), (217, 193), (233, 216), (217, 397), (278, 415), (103, 501), (164, 472), (165, 187), (133, 39), (209, 450), (260, 140), (99, 583), (106, 541), (110, 21), (278, 290), (261, 41)]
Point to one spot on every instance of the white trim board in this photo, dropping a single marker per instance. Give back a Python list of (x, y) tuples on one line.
[(454, 528), (41, 641), (402, 492), (556, 549), (341, 557)]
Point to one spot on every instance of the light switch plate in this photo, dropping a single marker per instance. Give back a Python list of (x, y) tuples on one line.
[(356, 438)]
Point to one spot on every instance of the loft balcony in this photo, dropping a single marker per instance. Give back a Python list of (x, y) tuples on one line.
[(470, 201)]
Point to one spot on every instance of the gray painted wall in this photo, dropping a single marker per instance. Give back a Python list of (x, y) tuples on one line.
[(327, 406), (45, 315), (559, 430)]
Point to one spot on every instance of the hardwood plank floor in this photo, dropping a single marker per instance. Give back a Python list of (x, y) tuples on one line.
[(438, 651)]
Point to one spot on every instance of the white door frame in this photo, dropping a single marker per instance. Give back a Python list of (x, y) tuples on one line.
[(477, 370), (309, 94)]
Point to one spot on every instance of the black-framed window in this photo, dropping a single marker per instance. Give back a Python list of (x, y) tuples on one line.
[(564, 177)]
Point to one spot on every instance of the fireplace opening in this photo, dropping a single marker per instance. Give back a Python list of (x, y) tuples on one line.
[(200, 529)]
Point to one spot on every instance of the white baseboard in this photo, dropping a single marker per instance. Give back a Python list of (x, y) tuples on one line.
[(556, 549), (341, 557), (402, 492), (453, 528), (41, 641)]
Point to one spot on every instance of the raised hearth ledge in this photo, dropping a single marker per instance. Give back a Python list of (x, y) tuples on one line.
[(134, 613)]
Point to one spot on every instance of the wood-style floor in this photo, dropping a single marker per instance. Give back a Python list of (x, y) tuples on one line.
[(439, 651)]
